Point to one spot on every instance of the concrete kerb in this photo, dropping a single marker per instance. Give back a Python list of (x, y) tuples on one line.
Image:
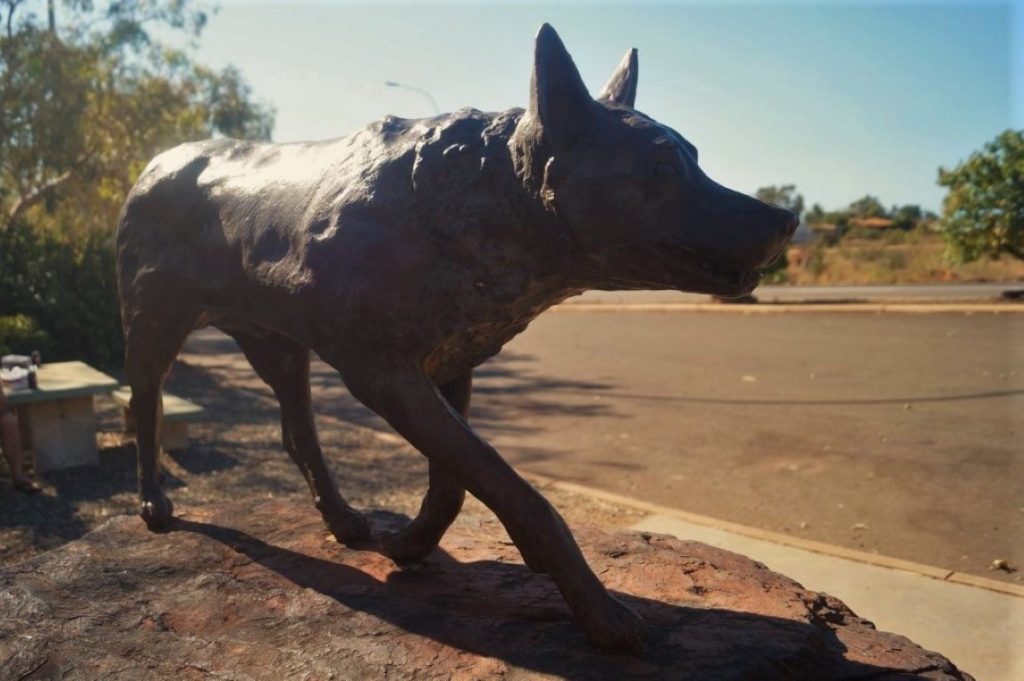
[(776, 308), (941, 574)]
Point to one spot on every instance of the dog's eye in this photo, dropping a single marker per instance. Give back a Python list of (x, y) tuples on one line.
[(665, 169)]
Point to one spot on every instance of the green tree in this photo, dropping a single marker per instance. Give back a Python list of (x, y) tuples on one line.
[(867, 207), (88, 102), (88, 94), (816, 215), (906, 217), (983, 212), (783, 196)]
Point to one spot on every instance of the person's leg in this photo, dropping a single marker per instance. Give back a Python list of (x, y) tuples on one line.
[(11, 440)]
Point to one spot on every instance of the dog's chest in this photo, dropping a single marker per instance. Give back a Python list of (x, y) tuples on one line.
[(469, 347), (477, 326)]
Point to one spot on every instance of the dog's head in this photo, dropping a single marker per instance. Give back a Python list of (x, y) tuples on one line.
[(630, 190)]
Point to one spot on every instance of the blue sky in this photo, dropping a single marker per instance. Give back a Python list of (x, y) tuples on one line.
[(840, 98)]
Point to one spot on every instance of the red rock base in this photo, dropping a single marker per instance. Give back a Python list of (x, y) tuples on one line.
[(261, 592)]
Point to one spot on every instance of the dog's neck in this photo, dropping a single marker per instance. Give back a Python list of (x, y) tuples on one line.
[(479, 179), (529, 154), (477, 192)]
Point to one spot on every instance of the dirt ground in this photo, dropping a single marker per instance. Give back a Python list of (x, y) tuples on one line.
[(236, 451)]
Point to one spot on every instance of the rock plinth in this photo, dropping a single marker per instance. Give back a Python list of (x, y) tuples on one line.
[(260, 591)]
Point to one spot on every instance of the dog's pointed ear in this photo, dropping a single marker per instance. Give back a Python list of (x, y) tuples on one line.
[(621, 87), (559, 100)]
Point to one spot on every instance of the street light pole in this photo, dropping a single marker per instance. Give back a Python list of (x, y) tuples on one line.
[(433, 102)]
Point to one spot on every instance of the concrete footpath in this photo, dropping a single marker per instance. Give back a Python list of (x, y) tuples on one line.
[(977, 623), (782, 294), (905, 299)]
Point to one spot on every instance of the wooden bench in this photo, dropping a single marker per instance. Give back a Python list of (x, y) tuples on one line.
[(58, 419), (178, 413)]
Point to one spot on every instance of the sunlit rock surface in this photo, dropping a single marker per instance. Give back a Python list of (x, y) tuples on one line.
[(260, 591)]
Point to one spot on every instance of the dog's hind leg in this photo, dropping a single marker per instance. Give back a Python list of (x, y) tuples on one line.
[(444, 497), (283, 364), (151, 344)]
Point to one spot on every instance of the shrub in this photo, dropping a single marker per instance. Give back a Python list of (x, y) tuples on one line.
[(815, 262), (20, 335), (983, 213), (67, 287), (863, 234)]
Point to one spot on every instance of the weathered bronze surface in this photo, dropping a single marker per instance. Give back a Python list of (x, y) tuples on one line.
[(408, 253)]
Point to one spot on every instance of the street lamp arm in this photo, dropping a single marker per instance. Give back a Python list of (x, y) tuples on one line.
[(433, 102)]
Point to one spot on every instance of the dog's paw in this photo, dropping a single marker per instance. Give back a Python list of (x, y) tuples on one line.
[(347, 525), (409, 544), (614, 626), (157, 511)]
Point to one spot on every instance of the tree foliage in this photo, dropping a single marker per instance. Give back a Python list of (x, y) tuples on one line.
[(983, 212), (867, 207), (20, 333), (906, 217), (59, 296), (87, 99), (783, 196), (88, 103), (835, 225)]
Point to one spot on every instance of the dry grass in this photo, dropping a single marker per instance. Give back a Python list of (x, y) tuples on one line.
[(880, 261)]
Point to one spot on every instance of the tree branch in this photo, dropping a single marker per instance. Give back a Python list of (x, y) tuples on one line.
[(11, 6), (35, 196)]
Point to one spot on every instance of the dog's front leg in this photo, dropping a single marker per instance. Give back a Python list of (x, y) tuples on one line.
[(412, 404), (444, 497)]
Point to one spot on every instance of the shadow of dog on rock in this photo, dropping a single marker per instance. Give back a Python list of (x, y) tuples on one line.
[(478, 614)]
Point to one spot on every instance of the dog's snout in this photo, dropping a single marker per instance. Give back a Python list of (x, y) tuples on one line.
[(789, 222)]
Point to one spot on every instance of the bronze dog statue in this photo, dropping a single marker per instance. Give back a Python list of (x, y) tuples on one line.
[(407, 254)]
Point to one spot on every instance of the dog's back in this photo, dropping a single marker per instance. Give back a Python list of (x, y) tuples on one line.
[(222, 221)]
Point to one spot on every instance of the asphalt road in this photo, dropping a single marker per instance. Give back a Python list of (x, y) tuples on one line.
[(895, 433), (949, 293)]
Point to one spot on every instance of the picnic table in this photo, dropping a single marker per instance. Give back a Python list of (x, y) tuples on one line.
[(58, 418)]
